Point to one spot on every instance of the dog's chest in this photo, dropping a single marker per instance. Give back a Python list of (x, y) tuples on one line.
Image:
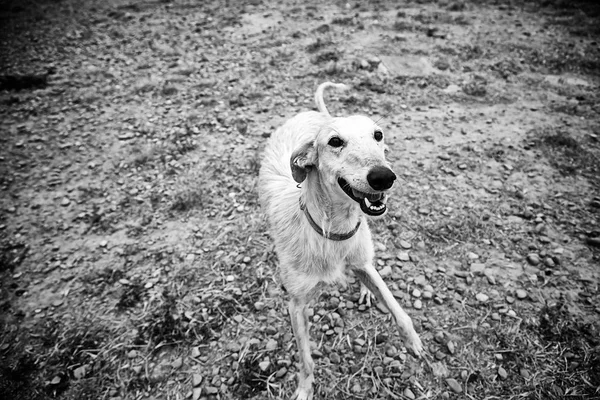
[(331, 261)]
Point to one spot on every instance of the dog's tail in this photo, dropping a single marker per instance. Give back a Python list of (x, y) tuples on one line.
[(319, 94)]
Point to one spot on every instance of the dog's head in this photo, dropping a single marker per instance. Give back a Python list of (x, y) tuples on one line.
[(348, 155)]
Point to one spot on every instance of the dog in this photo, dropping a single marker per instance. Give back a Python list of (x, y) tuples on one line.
[(320, 177)]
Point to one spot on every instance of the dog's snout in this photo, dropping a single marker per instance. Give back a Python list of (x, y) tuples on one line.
[(381, 178)]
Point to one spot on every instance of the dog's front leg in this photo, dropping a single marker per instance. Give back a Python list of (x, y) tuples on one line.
[(369, 276), (298, 315)]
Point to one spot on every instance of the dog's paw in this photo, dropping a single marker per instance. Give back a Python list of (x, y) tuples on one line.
[(303, 394), (413, 345), (366, 296)]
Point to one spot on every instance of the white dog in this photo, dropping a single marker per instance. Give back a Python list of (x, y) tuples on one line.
[(319, 177)]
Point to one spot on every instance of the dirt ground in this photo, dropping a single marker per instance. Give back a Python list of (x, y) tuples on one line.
[(135, 262)]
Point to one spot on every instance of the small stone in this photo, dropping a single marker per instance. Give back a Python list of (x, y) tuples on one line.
[(177, 363), (482, 297), (525, 373), (502, 373), (65, 202), (454, 385), (416, 293), (196, 352), (271, 345), (281, 372), (490, 277), (427, 295), (418, 304), (450, 346), (472, 256), (264, 365), (196, 393), (403, 256), (335, 358), (439, 369), (477, 268), (385, 271), (404, 244), (510, 299), (409, 394), (533, 259), (196, 380), (211, 390), (549, 262), (421, 280), (498, 357), (259, 305), (495, 317), (521, 294)]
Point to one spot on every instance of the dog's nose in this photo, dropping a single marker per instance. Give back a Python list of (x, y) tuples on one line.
[(381, 178)]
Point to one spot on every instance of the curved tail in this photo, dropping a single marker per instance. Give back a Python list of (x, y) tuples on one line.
[(319, 94)]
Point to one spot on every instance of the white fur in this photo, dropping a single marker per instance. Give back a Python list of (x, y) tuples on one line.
[(307, 260)]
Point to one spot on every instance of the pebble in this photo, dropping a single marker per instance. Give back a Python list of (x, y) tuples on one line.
[(533, 259), (416, 293), (510, 299), (451, 347), (549, 262), (477, 268), (454, 385), (177, 363), (403, 256), (421, 280), (482, 297), (264, 365), (259, 305), (271, 345), (502, 373), (385, 271), (495, 317), (418, 304), (427, 295), (65, 202), (525, 373), (196, 393), (490, 277), (404, 244), (409, 394), (472, 256), (211, 390), (439, 369), (335, 358), (521, 294), (196, 380)]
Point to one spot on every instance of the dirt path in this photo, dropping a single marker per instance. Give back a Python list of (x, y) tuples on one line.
[(135, 262)]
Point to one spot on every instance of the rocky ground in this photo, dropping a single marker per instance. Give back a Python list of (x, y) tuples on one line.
[(135, 261)]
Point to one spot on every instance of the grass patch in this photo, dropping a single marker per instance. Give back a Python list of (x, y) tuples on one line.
[(567, 154)]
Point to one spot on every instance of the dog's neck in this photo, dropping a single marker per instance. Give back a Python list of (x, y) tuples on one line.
[(331, 213)]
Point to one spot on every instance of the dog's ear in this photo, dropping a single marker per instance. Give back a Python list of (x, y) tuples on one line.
[(302, 160)]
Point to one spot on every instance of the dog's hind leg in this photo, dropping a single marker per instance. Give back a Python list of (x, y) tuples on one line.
[(369, 276), (298, 314)]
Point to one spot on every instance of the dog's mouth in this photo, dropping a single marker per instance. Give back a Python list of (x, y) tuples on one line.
[(370, 203)]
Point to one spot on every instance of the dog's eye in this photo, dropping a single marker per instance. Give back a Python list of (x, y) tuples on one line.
[(378, 135), (335, 142)]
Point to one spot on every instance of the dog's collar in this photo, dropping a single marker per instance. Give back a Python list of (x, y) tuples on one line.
[(331, 236)]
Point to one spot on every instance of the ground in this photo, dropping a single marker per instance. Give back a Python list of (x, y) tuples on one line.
[(136, 262)]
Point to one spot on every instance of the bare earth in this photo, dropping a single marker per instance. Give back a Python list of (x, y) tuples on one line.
[(135, 262)]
